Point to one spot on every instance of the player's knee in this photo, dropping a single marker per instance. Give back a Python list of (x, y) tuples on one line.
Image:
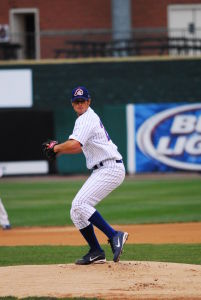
[(72, 214), (75, 212)]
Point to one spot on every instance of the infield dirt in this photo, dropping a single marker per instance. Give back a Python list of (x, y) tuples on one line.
[(149, 233), (123, 280)]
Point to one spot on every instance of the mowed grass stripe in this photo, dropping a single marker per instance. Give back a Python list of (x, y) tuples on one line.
[(134, 202), (37, 255)]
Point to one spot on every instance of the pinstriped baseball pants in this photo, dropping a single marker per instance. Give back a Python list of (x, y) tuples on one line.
[(3, 215), (100, 184)]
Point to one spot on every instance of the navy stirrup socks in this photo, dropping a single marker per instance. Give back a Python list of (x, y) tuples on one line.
[(89, 235), (97, 220)]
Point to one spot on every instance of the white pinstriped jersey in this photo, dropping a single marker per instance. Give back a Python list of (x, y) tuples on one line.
[(96, 144)]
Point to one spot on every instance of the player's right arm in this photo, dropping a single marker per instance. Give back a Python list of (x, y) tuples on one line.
[(68, 147), (77, 139)]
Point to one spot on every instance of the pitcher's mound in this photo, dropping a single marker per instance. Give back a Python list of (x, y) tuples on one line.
[(123, 280)]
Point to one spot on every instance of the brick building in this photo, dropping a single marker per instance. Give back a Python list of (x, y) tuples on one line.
[(36, 28)]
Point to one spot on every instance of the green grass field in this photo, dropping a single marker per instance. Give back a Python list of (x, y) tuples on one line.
[(41, 255), (134, 202)]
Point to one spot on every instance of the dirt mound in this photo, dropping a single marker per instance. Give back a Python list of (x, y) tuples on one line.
[(138, 234), (123, 280)]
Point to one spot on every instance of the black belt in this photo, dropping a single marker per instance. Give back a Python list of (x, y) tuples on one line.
[(118, 161)]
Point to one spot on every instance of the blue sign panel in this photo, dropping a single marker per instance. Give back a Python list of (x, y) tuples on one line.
[(168, 137)]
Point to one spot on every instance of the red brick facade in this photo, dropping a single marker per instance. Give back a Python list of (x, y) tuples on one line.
[(87, 14), (64, 14)]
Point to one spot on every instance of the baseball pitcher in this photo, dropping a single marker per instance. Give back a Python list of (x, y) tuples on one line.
[(108, 172)]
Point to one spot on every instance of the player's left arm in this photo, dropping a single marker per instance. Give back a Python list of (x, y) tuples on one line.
[(69, 147)]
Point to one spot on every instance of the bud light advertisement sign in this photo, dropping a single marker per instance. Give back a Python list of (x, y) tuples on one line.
[(167, 137)]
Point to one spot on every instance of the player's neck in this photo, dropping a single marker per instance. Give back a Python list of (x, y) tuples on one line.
[(80, 114)]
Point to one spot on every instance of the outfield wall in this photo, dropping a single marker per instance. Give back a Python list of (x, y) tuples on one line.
[(114, 81), (112, 84)]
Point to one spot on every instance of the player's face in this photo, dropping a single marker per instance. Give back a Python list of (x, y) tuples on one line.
[(80, 106)]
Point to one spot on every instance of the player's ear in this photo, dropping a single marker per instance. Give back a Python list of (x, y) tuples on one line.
[(89, 101)]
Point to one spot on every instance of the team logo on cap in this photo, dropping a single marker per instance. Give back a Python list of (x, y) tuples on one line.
[(78, 92)]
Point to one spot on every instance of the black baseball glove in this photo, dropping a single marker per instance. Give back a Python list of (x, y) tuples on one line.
[(48, 149)]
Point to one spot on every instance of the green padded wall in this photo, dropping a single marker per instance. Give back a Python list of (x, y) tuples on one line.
[(119, 82), (112, 85)]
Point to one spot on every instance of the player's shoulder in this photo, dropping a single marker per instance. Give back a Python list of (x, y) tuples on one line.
[(88, 116)]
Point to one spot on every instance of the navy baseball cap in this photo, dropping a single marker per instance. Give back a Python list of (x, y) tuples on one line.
[(80, 92)]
